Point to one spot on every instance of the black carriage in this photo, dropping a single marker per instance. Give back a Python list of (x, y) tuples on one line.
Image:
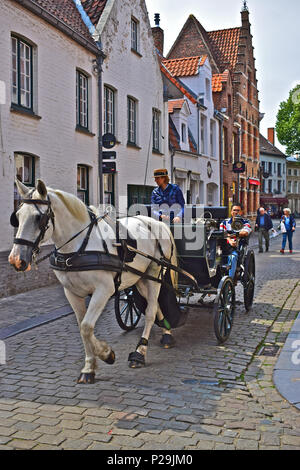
[(204, 264)]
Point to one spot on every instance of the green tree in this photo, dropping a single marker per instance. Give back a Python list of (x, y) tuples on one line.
[(288, 122)]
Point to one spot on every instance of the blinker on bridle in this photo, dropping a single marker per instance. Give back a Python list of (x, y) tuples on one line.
[(45, 217)]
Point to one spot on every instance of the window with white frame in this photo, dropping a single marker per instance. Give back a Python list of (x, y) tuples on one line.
[(203, 133), (183, 133), (22, 71), (83, 183), (156, 130), (109, 110), (25, 168), (81, 100), (289, 186), (295, 187), (132, 120), (134, 34), (212, 138)]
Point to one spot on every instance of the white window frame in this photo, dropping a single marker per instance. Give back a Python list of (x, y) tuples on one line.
[(134, 34), (132, 120), (109, 110), (156, 130), (82, 99), (22, 73)]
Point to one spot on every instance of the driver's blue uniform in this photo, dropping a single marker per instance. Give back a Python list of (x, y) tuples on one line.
[(234, 256), (170, 196)]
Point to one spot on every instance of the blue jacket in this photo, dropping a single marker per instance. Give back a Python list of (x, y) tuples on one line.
[(292, 221), (268, 222), (171, 195)]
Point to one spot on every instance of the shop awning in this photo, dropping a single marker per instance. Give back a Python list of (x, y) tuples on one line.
[(274, 200), (254, 181)]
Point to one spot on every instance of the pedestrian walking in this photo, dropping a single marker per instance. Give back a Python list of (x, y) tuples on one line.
[(263, 225), (287, 227)]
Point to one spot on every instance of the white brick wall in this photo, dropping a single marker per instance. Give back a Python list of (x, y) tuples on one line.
[(52, 138)]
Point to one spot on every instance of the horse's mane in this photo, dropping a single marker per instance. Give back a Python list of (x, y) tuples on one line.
[(73, 204)]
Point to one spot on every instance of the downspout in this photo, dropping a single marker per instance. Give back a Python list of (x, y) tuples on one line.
[(100, 56)]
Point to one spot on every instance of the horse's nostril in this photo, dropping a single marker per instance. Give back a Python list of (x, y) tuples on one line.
[(23, 265)]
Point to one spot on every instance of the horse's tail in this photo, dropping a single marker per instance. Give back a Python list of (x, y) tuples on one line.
[(173, 260)]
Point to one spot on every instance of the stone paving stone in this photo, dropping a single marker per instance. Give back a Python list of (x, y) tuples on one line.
[(105, 437), (24, 445), (73, 444), (5, 439), (51, 439)]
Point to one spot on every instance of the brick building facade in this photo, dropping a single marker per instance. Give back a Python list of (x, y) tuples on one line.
[(232, 49)]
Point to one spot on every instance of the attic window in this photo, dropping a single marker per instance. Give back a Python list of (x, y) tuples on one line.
[(183, 133)]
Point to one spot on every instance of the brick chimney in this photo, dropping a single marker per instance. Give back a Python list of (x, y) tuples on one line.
[(158, 34), (271, 135)]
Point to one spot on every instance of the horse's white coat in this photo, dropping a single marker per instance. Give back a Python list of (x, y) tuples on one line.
[(71, 216)]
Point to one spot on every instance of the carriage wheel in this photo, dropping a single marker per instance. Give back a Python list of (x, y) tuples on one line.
[(224, 309), (249, 280), (127, 312)]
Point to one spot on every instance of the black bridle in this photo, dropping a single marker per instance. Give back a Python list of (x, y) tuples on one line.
[(44, 219)]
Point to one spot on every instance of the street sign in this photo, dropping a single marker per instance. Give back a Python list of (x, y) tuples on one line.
[(239, 167), (109, 167), (109, 155), (108, 141)]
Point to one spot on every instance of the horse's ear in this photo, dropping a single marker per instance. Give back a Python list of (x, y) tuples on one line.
[(22, 189), (41, 188)]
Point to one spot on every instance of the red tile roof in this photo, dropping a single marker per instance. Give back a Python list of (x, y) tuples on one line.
[(225, 45), (175, 104), (185, 66), (94, 9), (178, 85), (66, 11), (217, 81)]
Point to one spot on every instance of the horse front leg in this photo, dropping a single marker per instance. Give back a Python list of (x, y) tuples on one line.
[(79, 307), (150, 291), (94, 347)]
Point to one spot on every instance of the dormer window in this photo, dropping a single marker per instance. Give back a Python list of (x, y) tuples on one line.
[(183, 133)]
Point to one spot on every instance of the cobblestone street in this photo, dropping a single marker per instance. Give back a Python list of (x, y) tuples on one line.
[(198, 395)]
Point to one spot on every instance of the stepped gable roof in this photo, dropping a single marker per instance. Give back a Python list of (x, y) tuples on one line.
[(267, 148), (66, 11), (217, 81), (94, 9), (185, 66), (225, 44)]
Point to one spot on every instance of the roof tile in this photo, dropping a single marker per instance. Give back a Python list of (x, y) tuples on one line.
[(94, 9), (225, 44), (185, 66)]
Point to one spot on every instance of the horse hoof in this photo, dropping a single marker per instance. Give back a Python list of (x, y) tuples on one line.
[(86, 378), (167, 341), (136, 360), (136, 365), (111, 358)]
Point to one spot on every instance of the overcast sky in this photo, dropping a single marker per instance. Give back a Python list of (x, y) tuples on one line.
[(276, 39)]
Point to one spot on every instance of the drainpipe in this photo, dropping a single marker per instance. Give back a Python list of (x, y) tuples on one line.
[(100, 56)]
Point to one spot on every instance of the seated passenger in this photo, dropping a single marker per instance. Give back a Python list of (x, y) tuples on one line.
[(232, 240)]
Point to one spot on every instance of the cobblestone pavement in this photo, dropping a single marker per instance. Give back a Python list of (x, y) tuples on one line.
[(198, 395)]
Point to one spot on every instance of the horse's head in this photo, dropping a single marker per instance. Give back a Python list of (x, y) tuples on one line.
[(34, 220)]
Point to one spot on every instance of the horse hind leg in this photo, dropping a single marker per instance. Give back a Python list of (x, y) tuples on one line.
[(150, 291)]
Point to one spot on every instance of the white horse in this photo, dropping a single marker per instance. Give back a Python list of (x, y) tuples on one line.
[(46, 214)]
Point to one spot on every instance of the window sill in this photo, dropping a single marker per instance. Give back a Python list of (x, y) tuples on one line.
[(136, 52), (131, 144), (157, 152), (25, 112), (85, 131)]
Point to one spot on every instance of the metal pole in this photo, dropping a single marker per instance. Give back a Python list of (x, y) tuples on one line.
[(99, 62), (239, 159)]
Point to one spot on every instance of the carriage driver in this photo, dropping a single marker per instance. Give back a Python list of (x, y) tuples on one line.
[(167, 193), (245, 232)]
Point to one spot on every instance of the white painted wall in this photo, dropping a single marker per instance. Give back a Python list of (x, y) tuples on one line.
[(139, 76), (52, 138)]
